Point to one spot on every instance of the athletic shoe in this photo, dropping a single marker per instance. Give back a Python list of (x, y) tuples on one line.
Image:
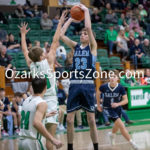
[(4, 133), (17, 131), (134, 145), (112, 138), (129, 122), (107, 124), (80, 127), (61, 127)]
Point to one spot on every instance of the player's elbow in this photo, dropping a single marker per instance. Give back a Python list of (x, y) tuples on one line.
[(35, 124)]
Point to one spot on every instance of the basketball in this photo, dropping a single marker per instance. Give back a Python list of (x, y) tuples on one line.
[(77, 13)]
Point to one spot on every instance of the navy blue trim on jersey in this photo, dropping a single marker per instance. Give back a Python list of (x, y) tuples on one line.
[(111, 95)]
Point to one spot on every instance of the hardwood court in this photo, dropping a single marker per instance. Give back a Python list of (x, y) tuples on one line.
[(141, 135)]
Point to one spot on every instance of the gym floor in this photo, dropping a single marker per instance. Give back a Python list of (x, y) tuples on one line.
[(82, 141)]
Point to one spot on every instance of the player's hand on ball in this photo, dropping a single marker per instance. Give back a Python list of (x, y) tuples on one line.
[(57, 143), (23, 28), (99, 108), (83, 7), (114, 105)]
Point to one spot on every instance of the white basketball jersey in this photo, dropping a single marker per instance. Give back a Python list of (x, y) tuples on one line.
[(27, 117), (43, 68)]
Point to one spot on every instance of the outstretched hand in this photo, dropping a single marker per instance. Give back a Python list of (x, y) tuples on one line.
[(23, 28), (63, 16)]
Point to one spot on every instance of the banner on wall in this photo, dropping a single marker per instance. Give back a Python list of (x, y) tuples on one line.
[(21, 2), (139, 97), (69, 2)]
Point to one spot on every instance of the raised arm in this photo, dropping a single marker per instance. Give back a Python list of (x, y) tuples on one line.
[(64, 38), (24, 31), (93, 43), (52, 53)]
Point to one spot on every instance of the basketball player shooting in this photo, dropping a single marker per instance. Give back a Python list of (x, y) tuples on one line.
[(82, 89), (39, 63)]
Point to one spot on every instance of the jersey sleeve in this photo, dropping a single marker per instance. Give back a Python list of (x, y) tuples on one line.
[(122, 90), (101, 88)]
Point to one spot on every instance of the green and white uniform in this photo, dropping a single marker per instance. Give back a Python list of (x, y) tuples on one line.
[(30, 139), (43, 68)]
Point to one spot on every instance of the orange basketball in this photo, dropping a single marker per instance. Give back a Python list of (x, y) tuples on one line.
[(77, 13)]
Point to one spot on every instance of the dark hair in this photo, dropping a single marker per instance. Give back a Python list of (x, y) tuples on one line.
[(35, 53), (2, 89), (10, 34), (18, 94), (38, 85)]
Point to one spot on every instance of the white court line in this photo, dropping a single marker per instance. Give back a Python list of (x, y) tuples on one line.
[(105, 145)]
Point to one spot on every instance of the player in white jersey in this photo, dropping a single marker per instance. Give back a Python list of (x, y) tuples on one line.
[(32, 116), (44, 65)]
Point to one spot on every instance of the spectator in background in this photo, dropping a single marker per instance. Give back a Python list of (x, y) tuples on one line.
[(45, 46), (19, 12), (12, 44), (69, 59), (16, 111), (127, 80), (122, 21), (46, 23), (55, 21), (122, 46), (1, 116), (136, 52), (5, 60), (95, 17), (99, 3), (146, 79), (6, 113), (47, 51), (142, 22), (134, 24), (61, 52), (37, 43), (143, 12), (27, 11), (36, 12), (110, 38), (146, 47), (3, 19), (62, 105), (111, 17), (131, 39), (134, 3), (141, 37), (127, 29), (136, 32)]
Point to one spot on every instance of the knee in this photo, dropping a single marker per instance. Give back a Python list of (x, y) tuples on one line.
[(14, 115), (70, 120), (91, 121)]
